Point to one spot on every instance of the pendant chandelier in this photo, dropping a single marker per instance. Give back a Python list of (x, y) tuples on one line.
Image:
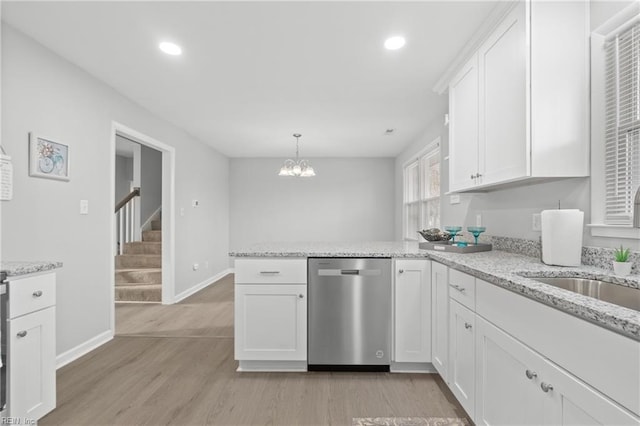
[(297, 167)]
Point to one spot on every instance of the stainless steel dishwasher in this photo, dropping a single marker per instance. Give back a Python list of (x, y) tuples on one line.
[(349, 314)]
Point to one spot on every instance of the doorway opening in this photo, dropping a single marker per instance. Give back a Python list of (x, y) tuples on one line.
[(142, 190)]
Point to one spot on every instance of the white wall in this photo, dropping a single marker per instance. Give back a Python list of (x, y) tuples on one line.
[(350, 199), (150, 182), (44, 93), (124, 176)]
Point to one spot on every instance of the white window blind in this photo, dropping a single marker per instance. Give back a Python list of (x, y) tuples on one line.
[(421, 203), (622, 143)]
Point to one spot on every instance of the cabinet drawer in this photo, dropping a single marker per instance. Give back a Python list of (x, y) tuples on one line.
[(462, 288), (31, 294), (271, 271)]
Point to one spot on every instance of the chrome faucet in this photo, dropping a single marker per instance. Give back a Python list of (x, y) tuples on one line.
[(636, 210)]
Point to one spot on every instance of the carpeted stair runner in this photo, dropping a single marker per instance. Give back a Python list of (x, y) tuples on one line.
[(139, 269)]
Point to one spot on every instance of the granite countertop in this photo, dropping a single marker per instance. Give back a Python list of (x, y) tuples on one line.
[(501, 268), (397, 249), (17, 268)]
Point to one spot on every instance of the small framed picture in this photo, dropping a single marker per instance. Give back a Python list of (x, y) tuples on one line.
[(47, 158)]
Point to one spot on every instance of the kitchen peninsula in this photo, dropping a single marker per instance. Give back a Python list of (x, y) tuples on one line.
[(462, 316)]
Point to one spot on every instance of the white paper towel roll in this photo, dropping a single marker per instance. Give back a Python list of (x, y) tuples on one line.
[(562, 237)]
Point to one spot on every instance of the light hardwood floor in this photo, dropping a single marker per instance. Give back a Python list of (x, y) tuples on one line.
[(173, 365)]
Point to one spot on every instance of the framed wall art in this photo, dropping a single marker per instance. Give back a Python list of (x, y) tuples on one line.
[(47, 158)]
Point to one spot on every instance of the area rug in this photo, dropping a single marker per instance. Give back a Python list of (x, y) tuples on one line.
[(409, 421)]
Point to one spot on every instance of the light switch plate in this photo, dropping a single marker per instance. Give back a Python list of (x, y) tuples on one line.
[(84, 206)]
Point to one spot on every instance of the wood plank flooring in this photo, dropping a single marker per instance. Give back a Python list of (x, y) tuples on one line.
[(173, 365)]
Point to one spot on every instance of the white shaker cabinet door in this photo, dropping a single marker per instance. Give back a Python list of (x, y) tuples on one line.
[(271, 322), (569, 401), (508, 379), (503, 94), (462, 355), (32, 364), (413, 310), (440, 319), (463, 127)]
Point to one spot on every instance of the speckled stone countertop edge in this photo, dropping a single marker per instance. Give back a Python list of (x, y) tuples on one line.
[(517, 278), (507, 270), (18, 268)]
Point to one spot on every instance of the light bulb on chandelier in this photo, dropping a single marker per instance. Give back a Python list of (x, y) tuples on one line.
[(297, 167)]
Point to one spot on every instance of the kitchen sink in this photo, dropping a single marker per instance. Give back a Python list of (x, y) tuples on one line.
[(613, 293)]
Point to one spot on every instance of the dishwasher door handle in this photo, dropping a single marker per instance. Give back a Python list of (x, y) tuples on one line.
[(349, 272)]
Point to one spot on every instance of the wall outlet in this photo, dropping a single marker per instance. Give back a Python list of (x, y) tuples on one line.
[(536, 222), (195, 266), (478, 219), (206, 264), (181, 211), (454, 199)]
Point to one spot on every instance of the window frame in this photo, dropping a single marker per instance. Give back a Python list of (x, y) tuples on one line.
[(598, 225), (419, 160)]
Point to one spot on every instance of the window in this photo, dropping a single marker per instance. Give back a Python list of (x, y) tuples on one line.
[(622, 125), (421, 201)]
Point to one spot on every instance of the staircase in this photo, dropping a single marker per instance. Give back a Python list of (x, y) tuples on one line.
[(139, 268)]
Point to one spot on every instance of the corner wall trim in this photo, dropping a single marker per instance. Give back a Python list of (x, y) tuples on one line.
[(202, 285), (83, 348)]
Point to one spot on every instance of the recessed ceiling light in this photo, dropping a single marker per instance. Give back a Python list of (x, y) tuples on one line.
[(170, 48), (394, 43)]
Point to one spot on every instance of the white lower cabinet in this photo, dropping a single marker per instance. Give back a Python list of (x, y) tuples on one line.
[(32, 364), (412, 326), (569, 401), (440, 319), (31, 346), (271, 322), (507, 379), (515, 385), (462, 355)]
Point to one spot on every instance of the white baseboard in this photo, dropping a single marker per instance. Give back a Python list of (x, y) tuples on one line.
[(412, 367), (201, 285), (271, 366), (83, 348)]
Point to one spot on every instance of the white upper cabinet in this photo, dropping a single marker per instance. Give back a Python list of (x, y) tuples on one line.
[(463, 127), (519, 107), (502, 137)]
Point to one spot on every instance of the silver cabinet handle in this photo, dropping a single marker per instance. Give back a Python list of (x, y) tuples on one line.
[(459, 288), (531, 374), (269, 272), (478, 175), (37, 293), (401, 271), (301, 296), (546, 387), (473, 176), (22, 333), (467, 325)]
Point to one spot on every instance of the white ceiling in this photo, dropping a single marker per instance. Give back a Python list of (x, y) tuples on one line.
[(254, 73)]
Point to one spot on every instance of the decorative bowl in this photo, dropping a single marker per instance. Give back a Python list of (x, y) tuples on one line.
[(434, 234)]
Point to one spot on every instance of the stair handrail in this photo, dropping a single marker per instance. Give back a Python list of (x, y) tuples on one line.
[(125, 216), (127, 198)]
